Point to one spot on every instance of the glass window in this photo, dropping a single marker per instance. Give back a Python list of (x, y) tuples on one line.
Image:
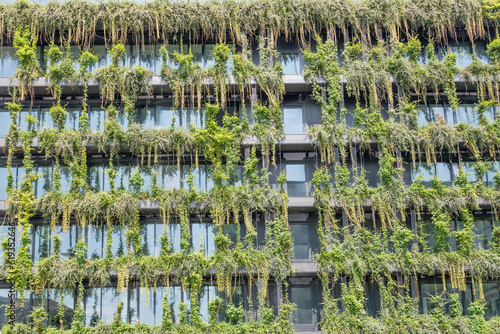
[(168, 176), (166, 117), (292, 121), (93, 306), (110, 299), (9, 61), (197, 51), (467, 114), (68, 240), (73, 118), (174, 235), (95, 242), (151, 236), (102, 56), (437, 111), (4, 304), (197, 119), (208, 56), (53, 302), (148, 237), (203, 236), (443, 173), (44, 182), (121, 178), (300, 236), (65, 174), (233, 231), (429, 290), (118, 246), (23, 125), (5, 121), (151, 310), (302, 297), (171, 49), (3, 182), (42, 242), (97, 117), (207, 294), (96, 177), (491, 292), (427, 228), (201, 176), (45, 118), (296, 179), (483, 229), (425, 115), (290, 63), (147, 117), (148, 57), (463, 50), (480, 50)]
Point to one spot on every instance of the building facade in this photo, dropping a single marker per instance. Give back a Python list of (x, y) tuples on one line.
[(260, 166)]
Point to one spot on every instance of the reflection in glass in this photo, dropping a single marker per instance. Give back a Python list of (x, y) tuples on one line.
[(302, 297), (296, 179), (5, 120), (300, 237), (203, 236), (292, 121), (8, 61), (290, 63)]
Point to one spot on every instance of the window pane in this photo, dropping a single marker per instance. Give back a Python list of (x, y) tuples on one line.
[(302, 297), (296, 178), (96, 177), (166, 116), (437, 112), (102, 57), (110, 299), (463, 50), (65, 174), (53, 302), (97, 116), (23, 125), (174, 235), (121, 178), (68, 241), (292, 121), (443, 173), (73, 118), (147, 117), (42, 240), (44, 182), (92, 306), (148, 58), (424, 116), (45, 118), (290, 63), (467, 114), (94, 242), (197, 119), (8, 61), (208, 56), (4, 122), (168, 176), (203, 236), (300, 236), (492, 296), (148, 239), (3, 182)]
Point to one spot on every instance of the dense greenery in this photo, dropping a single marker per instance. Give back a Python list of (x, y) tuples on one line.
[(391, 256)]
